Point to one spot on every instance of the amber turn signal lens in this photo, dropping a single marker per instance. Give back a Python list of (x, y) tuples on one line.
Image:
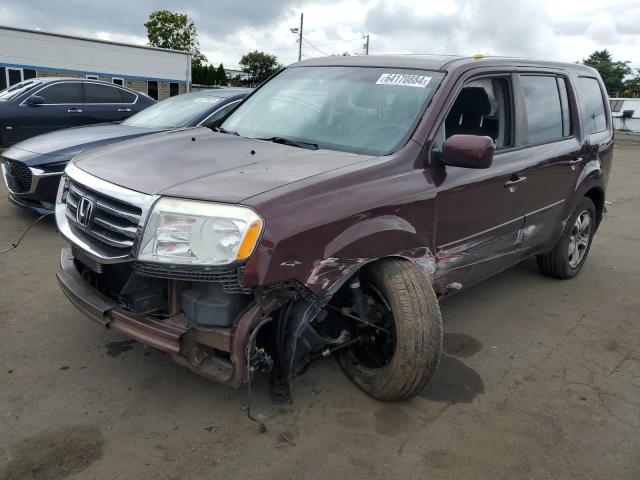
[(250, 239)]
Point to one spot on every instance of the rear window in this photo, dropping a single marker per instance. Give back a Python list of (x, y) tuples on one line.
[(592, 105), (544, 111), (97, 93), (62, 93)]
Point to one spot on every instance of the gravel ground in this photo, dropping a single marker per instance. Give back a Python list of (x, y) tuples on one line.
[(541, 379)]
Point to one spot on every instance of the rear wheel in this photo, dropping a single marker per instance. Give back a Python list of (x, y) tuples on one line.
[(568, 256), (403, 338)]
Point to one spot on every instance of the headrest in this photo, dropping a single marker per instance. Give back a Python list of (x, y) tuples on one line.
[(472, 101)]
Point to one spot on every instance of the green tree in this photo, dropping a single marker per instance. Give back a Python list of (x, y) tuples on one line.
[(612, 73), (166, 29), (222, 75), (632, 86), (259, 65)]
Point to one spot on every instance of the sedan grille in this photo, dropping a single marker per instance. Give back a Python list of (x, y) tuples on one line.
[(108, 225), (18, 175)]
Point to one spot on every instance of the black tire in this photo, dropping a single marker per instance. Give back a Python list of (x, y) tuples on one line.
[(556, 263), (418, 333)]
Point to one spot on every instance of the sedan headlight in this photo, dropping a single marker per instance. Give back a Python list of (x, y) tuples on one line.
[(188, 232)]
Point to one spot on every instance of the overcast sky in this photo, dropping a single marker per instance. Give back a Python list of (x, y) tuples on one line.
[(553, 29)]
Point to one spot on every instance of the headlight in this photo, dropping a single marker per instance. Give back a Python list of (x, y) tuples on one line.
[(188, 232)]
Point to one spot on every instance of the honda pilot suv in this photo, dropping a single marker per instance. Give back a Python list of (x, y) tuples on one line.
[(328, 213)]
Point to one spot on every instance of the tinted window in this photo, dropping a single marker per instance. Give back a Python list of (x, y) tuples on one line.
[(128, 97), (28, 73), (592, 105), (62, 93), (3, 78), (118, 81), (152, 89), (544, 114), (97, 93), (566, 114), (174, 89)]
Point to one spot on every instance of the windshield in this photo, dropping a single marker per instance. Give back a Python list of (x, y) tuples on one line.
[(174, 112), (15, 90), (353, 109)]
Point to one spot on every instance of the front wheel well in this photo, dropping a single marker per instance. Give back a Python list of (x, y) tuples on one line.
[(596, 194)]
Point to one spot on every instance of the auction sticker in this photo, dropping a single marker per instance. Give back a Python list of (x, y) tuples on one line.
[(403, 80)]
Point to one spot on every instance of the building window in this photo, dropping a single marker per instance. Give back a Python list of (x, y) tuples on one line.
[(28, 73), (152, 89), (174, 89), (92, 77), (14, 75), (118, 81), (3, 78)]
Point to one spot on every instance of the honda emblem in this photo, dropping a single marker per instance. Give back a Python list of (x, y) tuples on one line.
[(84, 212)]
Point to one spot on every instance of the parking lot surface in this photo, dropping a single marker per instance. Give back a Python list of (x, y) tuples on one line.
[(541, 379)]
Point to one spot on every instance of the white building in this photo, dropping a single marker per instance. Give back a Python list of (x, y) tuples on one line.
[(29, 53), (629, 121)]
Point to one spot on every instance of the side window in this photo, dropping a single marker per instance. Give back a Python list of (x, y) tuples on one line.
[(97, 93), (127, 97), (61, 93), (592, 105), (483, 107), (544, 113), (174, 89), (152, 89), (220, 113), (567, 127)]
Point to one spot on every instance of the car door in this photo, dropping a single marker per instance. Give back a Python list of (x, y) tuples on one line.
[(479, 213), (62, 107), (549, 158), (105, 103)]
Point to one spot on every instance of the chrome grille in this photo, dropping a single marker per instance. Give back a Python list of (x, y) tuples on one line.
[(111, 226), (18, 175)]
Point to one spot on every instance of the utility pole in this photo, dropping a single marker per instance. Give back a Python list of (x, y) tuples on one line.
[(366, 46), (300, 39)]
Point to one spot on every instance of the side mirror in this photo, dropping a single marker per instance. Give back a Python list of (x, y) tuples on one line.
[(468, 151), (34, 100)]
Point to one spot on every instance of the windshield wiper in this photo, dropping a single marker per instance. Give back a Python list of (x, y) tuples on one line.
[(293, 143), (224, 130)]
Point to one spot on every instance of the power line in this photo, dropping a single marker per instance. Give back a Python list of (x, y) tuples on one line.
[(321, 51)]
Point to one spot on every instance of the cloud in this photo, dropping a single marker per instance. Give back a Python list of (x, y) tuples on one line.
[(564, 30)]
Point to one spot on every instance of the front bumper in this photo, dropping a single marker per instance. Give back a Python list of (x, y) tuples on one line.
[(41, 194), (172, 335)]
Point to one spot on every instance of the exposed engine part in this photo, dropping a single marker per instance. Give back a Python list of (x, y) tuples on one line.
[(144, 295), (209, 305)]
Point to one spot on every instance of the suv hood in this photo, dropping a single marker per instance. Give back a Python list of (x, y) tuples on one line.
[(201, 164), (64, 144)]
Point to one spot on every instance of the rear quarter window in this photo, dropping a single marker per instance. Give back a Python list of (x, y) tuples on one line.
[(592, 108)]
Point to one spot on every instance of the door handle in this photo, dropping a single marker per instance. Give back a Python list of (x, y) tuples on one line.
[(124, 109), (74, 110), (512, 184)]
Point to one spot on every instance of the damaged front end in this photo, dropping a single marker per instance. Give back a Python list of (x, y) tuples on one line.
[(120, 271)]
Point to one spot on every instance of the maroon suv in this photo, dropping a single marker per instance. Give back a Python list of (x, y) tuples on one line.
[(332, 208)]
